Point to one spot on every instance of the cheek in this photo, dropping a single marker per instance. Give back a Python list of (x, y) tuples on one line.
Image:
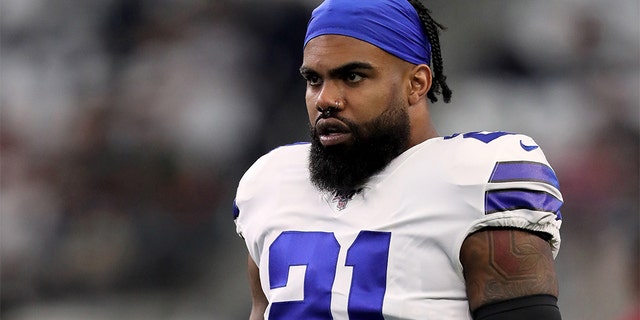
[(372, 105), (311, 108)]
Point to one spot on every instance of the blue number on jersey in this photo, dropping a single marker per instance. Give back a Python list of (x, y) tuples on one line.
[(318, 251)]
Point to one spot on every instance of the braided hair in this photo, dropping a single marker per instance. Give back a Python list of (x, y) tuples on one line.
[(432, 29)]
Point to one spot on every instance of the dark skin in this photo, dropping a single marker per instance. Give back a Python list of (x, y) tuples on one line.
[(505, 264), (258, 300), (361, 81)]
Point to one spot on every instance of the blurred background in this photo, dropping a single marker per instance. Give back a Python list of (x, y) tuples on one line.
[(125, 126)]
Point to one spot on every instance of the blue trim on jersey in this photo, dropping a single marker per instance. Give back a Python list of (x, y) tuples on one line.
[(514, 199), (514, 171), (236, 210), (297, 143), (485, 137)]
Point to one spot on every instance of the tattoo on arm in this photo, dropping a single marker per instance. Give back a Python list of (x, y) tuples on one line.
[(505, 264)]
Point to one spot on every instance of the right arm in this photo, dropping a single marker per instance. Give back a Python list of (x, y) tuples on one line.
[(510, 274), (258, 299)]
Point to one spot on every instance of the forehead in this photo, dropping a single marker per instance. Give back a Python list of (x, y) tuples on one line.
[(328, 51)]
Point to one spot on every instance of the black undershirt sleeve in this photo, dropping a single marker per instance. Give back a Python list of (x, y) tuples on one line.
[(535, 307)]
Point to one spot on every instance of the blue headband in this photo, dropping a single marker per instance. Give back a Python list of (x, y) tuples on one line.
[(391, 25)]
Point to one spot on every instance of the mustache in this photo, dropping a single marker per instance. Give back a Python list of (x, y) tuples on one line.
[(344, 125), (327, 115), (331, 115)]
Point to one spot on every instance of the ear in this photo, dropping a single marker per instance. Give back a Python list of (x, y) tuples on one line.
[(420, 83)]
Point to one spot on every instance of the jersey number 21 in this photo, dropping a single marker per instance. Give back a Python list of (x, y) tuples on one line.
[(318, 251)]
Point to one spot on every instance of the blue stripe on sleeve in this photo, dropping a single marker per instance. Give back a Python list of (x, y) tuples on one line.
[(514, 199), (524, 171)]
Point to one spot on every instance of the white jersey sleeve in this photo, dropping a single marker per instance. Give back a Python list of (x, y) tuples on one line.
[(525, 190), (519, 189)]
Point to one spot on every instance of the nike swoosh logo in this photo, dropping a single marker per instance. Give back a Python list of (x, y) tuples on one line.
[(528, 148)]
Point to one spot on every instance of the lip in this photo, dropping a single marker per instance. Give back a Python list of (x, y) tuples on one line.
[(332, 131)]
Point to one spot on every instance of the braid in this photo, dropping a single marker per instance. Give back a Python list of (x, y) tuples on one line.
[(432, 29)]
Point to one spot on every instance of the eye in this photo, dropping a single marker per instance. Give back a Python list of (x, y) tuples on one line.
[(354, 77), (312, 79)]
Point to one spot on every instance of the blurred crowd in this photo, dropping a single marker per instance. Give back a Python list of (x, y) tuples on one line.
[(125, 126)]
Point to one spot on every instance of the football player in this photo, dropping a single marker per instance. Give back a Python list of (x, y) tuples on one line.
[(380, 217)]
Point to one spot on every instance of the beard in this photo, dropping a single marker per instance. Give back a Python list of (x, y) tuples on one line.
[(345, 168)]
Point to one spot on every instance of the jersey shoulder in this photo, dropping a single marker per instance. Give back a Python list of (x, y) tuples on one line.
[(496, 161), (494, 146), (519, 187), (287, 157), (266, 172)]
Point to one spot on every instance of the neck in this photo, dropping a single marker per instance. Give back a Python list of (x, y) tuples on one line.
[(422, 128)]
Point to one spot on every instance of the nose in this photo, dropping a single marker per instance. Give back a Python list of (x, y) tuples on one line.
[(329, 98)]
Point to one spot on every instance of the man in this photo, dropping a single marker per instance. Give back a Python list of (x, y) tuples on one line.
[(381, 218)]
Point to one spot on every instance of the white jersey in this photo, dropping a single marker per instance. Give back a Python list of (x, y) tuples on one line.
[(391, 251)]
